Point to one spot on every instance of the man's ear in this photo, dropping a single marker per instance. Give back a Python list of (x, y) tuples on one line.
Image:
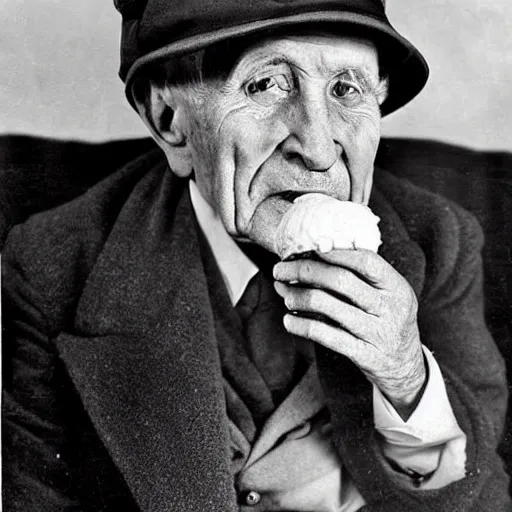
[(383, 90), (163, 110)]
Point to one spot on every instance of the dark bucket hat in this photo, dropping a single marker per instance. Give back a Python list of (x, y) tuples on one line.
[(157, 29)]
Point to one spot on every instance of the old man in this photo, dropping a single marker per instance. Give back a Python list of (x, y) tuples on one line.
[(162, 357)]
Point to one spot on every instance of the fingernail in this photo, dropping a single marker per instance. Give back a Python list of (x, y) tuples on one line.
[(280, 288), (277, 270)]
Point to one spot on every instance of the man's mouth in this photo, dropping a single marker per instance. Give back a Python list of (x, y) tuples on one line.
[(290, 195)]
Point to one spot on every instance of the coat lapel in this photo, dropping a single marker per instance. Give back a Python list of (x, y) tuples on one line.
[(398, 248), (144, 356)]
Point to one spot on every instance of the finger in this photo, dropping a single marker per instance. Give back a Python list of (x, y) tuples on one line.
[(367, 264), (330, 337), (332, 278), (311, 300)]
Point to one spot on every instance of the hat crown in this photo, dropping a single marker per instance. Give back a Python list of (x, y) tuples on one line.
[(131, 9), (134, 9), (158, 29)]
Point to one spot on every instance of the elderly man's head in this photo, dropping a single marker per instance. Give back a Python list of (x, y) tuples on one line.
[(289, 114), (261, 101)]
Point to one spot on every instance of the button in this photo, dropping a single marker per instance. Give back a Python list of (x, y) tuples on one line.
[(252, 498)]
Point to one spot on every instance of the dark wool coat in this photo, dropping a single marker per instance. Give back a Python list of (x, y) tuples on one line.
[(113, 397)]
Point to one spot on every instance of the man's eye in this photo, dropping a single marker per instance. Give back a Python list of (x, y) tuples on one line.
[(262, 85), (268, 90), (346, 91)]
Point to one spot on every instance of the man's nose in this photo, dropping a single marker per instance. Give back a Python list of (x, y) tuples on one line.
[(311, 137)]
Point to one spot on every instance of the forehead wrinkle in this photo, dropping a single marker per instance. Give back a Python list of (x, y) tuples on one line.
[(323, 63), (345, 46)]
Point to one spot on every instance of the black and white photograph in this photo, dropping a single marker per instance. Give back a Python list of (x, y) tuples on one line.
[(256, 255)]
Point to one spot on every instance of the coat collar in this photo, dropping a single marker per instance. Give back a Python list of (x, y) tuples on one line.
[(144, 359)]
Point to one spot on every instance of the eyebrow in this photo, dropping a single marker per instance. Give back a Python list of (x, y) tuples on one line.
[(360, 71), (362, 76)]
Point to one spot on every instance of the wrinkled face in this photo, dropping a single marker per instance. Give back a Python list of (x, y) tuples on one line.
[(296, 114)]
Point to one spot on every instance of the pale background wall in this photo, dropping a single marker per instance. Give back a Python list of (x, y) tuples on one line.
[(59, 58)]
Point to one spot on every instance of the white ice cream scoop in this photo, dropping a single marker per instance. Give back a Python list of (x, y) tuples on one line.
[(318, 222)]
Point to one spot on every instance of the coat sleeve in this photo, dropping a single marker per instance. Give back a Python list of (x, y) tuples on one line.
[(452, 325), (36, 439)]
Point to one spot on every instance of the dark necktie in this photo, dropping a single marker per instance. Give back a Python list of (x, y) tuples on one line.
[(277, 355)]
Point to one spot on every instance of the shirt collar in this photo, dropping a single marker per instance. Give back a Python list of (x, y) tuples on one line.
[(236, 268)]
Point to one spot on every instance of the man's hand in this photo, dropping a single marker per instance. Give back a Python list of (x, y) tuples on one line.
[(374, 310)]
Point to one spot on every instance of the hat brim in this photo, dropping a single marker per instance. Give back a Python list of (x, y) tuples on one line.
[(406, 68)]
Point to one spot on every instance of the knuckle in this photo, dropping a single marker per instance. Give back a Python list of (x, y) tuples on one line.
[(311, 330), (309, 299), (340, 278), (290, 301), (365, 257), (374, 334), (407, 295), (380, 304), (304, 271), (377, 270)]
